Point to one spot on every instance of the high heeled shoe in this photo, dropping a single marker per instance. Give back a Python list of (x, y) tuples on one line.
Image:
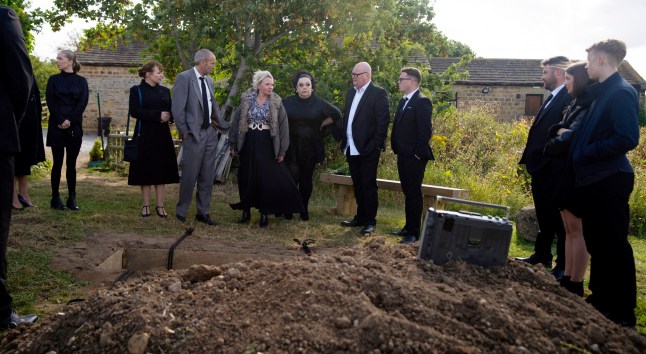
[(246, 216), (161, 214), (145, 211), (57, 203), (24, 201), (264, 221)]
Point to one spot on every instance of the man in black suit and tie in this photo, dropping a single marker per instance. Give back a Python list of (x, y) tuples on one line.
[(365, 125), (15, 83), (412, 129), (541, 167)]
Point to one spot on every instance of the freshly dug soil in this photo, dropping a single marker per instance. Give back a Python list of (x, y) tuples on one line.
[(373, 298)]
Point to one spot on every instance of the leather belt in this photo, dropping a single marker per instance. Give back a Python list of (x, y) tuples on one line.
[(256, 126)]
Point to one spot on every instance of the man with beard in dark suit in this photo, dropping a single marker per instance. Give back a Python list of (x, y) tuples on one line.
[(15, 83), (365, 125), (541, 167), (409, 139)]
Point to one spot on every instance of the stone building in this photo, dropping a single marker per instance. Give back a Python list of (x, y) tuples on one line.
[(110, 73), (513, 86)]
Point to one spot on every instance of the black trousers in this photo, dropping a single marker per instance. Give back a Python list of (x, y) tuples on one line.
[(6, 196), (363, 170), (411, 175), (58, 153), (302, 173), (549, 219), (605, 216)]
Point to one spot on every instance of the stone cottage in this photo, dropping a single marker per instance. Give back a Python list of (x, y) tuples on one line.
[(110, 74), (514, 86)]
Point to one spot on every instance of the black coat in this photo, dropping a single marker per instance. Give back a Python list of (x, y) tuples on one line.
[(156, 163), (15, 79), (32, 149), (371, 119), (67, 95), (538, 136), (412, 128)]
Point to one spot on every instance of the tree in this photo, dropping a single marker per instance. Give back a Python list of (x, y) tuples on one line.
[(325, 36)]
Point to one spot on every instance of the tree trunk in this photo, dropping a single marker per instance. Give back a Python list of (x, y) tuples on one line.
[(237, 81)]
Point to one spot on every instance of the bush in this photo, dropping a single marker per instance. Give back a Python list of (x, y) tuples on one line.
[(96, 153)]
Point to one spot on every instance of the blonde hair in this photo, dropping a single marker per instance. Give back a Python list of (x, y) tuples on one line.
[(258, 76), (70, 55)]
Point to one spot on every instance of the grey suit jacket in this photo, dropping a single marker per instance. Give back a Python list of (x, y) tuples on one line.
[(187, 105)]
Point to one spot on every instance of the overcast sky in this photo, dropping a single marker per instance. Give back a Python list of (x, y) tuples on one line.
[(523, 29), (529, 29)]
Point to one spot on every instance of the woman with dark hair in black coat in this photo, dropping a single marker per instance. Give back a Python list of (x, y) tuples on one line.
[(156, 164), (67, 95), (310, 119), (576, 254)]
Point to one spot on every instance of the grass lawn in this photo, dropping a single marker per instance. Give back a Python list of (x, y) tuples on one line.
[(110, 206)]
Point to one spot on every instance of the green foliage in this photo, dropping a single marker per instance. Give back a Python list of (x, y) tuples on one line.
[(96, 153), (43, 69), (637, 158), (642, 118)]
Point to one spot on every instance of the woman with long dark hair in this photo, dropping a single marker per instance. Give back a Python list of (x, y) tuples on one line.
[(576, 254), (67, 96)]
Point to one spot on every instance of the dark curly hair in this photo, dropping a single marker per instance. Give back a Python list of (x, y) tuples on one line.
[(302, 74)]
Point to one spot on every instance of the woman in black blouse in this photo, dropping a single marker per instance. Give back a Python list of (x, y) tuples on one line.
[(156, 163), (310, 119), (259, 135), (67, 96)]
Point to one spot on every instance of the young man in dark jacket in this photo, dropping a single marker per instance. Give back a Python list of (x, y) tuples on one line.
[(604, 181)]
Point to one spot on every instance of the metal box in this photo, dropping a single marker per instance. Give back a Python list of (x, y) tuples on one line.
[(471, 237)]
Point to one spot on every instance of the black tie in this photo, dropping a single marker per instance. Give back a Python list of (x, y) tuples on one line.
[(205, 106), (549, 98), (402, 102)]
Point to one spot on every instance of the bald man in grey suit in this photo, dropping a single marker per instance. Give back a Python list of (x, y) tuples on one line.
[(197, 117)]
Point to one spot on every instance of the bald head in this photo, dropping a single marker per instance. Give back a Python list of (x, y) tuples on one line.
[(361, 74)]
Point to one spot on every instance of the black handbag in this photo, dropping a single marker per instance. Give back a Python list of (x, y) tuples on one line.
[(131, 146)]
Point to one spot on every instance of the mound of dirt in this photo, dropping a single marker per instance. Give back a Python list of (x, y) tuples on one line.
[(369, 299)]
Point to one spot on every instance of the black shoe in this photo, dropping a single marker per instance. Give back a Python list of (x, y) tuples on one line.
[(205, 219), (288, 216), (71, 204), (161, 212), (14, 320), (368, 229), (564, 281), (575, 287), (24, 201), (409, 239), (351, 223), (246, 216), (305, 216), (401, 233), (534, 259), (557, 273), (180, 218), (264, 222), (57, 203)]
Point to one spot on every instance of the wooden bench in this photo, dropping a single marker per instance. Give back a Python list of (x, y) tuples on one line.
[(347, 205)]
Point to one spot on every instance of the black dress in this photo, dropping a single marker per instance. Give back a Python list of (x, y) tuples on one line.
[(306, 145), (32, 149), (156, 163), (67, 95)]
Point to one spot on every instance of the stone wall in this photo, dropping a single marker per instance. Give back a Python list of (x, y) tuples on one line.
[(508, 100), (113, 85)]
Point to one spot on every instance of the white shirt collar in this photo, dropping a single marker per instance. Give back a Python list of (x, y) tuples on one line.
[(197, 73), (557, 90), (410, 95)]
